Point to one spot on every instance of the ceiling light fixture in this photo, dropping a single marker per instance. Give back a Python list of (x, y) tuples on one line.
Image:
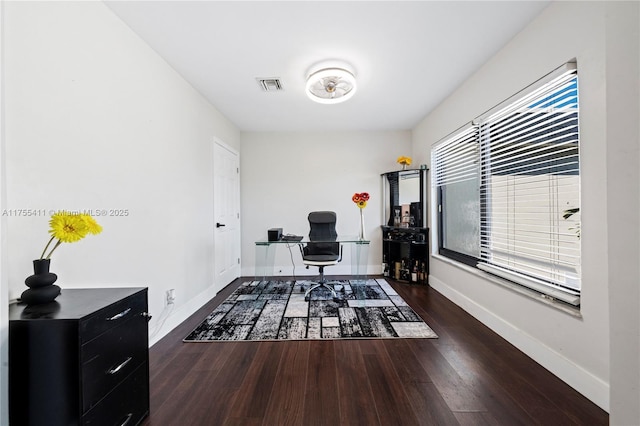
[(331, 85)]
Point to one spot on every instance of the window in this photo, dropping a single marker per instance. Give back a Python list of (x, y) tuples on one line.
[(456, 175), (508, 188)]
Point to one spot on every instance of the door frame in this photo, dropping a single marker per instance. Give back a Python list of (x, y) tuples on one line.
[(223, 145)]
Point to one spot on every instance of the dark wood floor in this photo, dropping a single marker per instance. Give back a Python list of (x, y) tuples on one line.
[(468, 376)]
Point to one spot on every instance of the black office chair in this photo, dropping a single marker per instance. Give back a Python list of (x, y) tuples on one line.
[(324, 251)]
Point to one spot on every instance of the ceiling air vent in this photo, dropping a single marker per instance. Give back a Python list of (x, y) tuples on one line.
[(270, 84)]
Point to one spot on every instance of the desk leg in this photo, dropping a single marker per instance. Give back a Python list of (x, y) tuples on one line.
[(265, 258), (359, 262)]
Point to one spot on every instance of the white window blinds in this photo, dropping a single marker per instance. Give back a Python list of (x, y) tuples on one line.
[(508, 189), (455, 159), (455, 168), (529, 178)]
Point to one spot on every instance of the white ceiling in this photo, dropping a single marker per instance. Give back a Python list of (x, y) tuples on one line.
[(407, 56)]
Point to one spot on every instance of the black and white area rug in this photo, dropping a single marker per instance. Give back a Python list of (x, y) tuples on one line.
[(277, 310)]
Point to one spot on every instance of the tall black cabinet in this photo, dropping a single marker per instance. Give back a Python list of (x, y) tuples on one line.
[(405, 235)]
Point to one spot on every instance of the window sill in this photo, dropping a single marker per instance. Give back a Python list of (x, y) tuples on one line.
[(538, 297)]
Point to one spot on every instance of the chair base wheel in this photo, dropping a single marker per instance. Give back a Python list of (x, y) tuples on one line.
[(317, 285)]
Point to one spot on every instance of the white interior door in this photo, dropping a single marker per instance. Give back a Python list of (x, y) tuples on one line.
[(226, 220)]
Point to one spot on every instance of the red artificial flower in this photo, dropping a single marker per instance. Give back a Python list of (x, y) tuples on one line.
[(360, 198)]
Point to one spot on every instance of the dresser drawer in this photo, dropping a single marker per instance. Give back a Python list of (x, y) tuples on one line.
[(125, 405), (111, 357), (113, 315)]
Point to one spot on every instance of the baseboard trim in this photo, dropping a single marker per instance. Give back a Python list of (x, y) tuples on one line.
[(183, 312), (592, 387)]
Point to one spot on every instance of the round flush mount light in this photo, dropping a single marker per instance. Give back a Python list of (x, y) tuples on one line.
[(331, 85)]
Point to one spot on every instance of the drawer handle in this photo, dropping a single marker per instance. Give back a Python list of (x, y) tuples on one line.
[(120, 315), (114, 370), (126, 421)]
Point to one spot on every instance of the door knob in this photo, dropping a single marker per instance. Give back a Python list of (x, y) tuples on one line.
[(219, 225)]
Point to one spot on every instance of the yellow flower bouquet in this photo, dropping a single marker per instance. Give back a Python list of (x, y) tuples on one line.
[(404, 161), (68, 228)]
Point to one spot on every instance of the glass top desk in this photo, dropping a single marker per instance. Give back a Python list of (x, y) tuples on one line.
[(266, 254)]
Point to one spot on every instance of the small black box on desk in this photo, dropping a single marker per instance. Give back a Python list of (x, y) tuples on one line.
[(274, 234)]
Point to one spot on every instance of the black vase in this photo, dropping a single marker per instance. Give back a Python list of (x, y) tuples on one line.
[(41, 287)]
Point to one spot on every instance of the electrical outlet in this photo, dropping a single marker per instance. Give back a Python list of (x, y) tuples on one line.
[(171, 296)]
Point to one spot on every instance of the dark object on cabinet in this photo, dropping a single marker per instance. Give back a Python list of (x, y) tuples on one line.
[(405, 236), (82, 359), (405, 254)]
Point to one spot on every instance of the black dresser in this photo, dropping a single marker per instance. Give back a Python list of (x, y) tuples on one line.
[(80, 360)]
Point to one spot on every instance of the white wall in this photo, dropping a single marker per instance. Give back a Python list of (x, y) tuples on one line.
[(623, 189), (95, 119), (284, 176), (574, 348), (4, 283)]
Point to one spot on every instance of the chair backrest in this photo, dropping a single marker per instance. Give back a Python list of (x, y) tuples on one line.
[(323, 229), (322, 226)]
